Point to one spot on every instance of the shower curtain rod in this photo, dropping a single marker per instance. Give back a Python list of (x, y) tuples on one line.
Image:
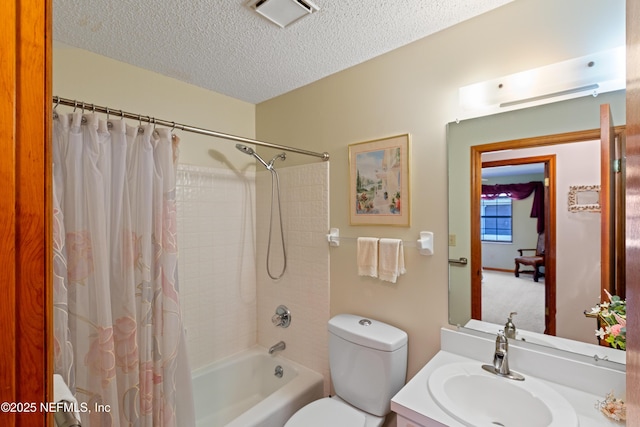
[(73, 103)]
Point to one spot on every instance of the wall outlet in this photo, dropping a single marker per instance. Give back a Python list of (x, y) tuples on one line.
[(452, 239)]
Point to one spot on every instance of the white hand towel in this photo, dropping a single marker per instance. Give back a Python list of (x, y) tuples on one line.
[(391, 260), (367, 256), (61, 393)]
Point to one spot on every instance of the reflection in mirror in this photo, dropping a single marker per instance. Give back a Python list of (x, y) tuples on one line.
[(507, 209), (571, 273)]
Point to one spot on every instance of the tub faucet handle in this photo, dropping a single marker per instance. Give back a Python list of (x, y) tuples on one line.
[(282, 317)]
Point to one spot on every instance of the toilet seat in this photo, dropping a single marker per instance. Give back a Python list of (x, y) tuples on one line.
[(327, 412)]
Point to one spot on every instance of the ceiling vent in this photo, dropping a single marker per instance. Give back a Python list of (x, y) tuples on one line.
[(283, 12)]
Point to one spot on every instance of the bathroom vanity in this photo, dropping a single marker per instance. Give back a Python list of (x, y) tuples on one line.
[(560, 389)]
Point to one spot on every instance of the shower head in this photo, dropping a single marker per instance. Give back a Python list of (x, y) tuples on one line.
[(250, 151), (245, 149)]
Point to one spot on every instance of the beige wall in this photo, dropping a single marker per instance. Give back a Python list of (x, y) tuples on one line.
[(87, 77), (414, 90)]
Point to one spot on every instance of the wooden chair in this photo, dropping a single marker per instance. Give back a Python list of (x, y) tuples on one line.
[(536, 261)]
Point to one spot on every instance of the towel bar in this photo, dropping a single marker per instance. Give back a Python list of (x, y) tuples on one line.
[(424, 244)]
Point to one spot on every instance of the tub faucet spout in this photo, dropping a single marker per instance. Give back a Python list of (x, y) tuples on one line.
[(277, 347)]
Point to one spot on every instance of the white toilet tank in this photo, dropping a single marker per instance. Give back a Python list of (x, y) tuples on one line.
[(368, 361)]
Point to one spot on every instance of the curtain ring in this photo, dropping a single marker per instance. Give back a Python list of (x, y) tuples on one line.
[(55, 113), (140, 120), (122, 114), (107, 108), (83, 108), (75, 105), (93, 108), (173, 127)]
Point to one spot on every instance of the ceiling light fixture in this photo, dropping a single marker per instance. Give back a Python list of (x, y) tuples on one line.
[(587, 75), (283, 12)]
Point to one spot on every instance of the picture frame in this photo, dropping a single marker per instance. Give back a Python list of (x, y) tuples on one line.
[(584, 198), (379, 182)]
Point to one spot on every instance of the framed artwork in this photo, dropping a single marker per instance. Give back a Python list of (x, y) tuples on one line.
[(379, 182)]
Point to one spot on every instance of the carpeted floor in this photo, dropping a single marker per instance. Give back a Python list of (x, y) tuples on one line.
[(503, 293)]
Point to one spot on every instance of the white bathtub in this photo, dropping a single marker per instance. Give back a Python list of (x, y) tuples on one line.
[(242, 390)]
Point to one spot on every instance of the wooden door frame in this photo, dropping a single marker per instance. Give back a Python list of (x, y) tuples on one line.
[(550, 235), (25, 222), (632, 192), (476, 183)]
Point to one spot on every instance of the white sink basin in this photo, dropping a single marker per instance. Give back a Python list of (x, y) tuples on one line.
[(480, 399)]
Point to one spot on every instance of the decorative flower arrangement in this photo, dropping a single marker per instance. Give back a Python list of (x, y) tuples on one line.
[(613, 315), (613, 408)]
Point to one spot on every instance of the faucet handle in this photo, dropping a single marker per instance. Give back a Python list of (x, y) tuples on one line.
[(501, 342), (282, 317)]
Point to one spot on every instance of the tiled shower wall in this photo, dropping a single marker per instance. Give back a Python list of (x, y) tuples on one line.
[(304, 288), (224, 311), (216, 267)]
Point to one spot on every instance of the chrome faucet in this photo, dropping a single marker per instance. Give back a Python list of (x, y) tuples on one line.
[(277, 347), (501, 356), (501, 360)]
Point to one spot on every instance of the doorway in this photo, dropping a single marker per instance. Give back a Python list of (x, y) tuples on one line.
[(600, 260), (545, 224)]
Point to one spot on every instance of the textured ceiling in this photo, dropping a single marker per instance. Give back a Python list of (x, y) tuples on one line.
[(224, 46)]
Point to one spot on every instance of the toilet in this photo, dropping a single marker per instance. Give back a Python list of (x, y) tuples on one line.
[(368, 363)]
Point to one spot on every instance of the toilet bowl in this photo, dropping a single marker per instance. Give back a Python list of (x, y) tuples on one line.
[(334, 412), (368, 364)]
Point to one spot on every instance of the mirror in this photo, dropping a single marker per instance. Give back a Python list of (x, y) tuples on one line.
[(584, 198), (572, 239)]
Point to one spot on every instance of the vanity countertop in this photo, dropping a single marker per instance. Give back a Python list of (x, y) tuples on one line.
[(414, 402)]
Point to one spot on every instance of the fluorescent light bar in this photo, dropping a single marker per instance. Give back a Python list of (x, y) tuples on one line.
[(601, 71), (550, 95)]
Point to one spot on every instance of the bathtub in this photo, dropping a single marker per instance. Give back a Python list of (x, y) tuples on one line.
[(243, 391)]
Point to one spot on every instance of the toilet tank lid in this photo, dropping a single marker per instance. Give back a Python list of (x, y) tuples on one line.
[(367, 332)]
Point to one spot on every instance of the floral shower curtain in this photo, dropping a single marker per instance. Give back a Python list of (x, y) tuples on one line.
[(119, 339)]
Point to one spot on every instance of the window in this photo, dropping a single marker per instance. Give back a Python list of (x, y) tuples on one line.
[(496, 219)]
